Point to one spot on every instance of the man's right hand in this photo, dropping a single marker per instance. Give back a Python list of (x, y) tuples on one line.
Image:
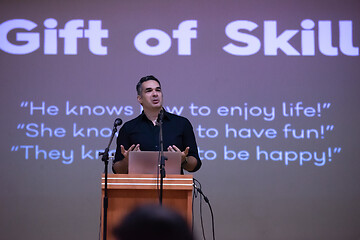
[(133, 147), (122, 166)]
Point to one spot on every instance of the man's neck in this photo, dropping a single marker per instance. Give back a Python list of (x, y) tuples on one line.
[(152, 115)]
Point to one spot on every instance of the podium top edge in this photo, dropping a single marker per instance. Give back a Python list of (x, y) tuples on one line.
[(129, 176)]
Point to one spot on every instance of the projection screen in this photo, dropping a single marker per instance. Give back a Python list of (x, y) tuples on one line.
[(271, 89)]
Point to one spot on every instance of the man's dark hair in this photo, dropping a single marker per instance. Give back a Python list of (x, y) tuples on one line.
[(153, 222), (144, 79)]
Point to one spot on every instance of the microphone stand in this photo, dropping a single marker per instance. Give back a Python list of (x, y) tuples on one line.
[(162, 158), (105, 159)]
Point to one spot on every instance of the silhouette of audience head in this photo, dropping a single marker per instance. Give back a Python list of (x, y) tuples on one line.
[(153, 222)]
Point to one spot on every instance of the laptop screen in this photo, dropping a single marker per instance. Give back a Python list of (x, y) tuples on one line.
[(147, 162)]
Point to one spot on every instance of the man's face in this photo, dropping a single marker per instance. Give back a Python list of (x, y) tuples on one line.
[(151, 97)]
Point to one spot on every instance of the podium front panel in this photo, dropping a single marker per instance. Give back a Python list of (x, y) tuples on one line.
[(128, 191)]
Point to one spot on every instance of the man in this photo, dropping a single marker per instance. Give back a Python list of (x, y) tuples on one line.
[(142, 133)]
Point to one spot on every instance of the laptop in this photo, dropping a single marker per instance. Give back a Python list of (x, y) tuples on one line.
[(147, 162)]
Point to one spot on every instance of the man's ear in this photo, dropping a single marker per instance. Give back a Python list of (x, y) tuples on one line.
[(139, 99)]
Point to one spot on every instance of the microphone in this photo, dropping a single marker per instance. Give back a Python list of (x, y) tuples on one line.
[(160, 117), (117, 122)]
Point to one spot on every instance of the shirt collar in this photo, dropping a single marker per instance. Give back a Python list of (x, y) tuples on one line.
[(166, 116)]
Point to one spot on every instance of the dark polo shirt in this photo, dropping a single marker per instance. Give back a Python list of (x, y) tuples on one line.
[(177, 131)]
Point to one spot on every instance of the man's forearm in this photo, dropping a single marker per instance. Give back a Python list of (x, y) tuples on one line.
[(121, 167), (189, 164)]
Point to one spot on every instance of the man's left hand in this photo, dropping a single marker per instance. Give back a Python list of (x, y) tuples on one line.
[(184, 154)]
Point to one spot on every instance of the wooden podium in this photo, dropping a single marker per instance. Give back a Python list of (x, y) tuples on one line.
[(127, 191)]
